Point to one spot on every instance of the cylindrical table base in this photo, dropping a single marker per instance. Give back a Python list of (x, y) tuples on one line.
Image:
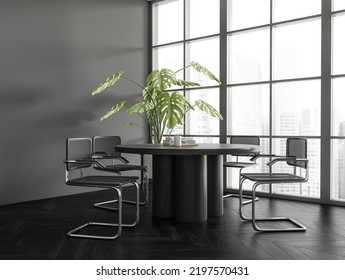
[(214, 185), (190, 183), (162, 191), (188, 188)]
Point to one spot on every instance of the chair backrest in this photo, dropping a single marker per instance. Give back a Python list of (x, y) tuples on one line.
[(78, 149), (250, 140), (297, 147), (106, 144)]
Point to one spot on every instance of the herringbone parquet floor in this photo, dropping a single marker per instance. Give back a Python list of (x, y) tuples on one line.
[(37, 230)]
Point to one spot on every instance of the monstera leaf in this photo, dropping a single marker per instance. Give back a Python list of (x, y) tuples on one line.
[(127, 125), (206, 107), (137, 108), (110, 81), (187, 83), (205, 71), (143, 107), (150, 94), (114, 110), (172, 108), (161, 109), (161, 80)]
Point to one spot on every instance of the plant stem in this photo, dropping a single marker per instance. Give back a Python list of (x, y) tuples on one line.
[(148, 131), (156, 120), (182, 68), (189, 108), (142, 87), (140, 114)]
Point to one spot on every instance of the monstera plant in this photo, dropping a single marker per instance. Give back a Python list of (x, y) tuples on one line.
[(161, 108)]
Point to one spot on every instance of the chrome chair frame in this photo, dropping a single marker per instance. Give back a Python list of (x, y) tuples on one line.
[(241, 166), (118, 168), (115, 183), (249, 197), (297, 179)]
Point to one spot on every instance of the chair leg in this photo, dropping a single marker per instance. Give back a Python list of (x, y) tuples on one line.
[(253, 219), (249, 197), (244, 196), (298, 226), (241, 203), (103, 205), (73, 233), (118, 225)]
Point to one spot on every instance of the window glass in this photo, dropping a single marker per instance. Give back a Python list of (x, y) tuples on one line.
[(205, 52), (338, 62), (247, 13), (249, 56), (168, 57), (296, 108), (163, 15), (248, 110), (338, 167), (291, 9), (338, 112), (197, 121), (202, 18), (207, 140), (297, 50), (338, 5)]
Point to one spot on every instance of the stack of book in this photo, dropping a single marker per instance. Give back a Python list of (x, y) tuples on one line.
[(185, 141)]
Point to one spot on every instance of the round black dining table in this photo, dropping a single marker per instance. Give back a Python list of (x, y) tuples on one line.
[(187, 180)]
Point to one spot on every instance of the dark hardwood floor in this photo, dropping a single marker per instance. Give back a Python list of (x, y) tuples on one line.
[(37, 230)]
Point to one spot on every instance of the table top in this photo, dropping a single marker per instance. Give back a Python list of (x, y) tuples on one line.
[(201, 149)]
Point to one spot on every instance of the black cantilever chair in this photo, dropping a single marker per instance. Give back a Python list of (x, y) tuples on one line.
[(252, 140), (79, 157), (296, 156), (104, 149)]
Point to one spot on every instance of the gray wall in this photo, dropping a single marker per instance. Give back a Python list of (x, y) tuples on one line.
[(52, 55)]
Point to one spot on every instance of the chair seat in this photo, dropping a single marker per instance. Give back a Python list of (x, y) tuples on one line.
[(237, 164), (122, 167), (102, 180), (273, 177)]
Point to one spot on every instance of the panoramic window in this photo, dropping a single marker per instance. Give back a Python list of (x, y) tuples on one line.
[(192, 38), (270, 59), (274, 80)]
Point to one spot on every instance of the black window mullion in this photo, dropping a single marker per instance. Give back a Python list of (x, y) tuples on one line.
[(326, 57), (184, 54), (271, 90), (223, 70)]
